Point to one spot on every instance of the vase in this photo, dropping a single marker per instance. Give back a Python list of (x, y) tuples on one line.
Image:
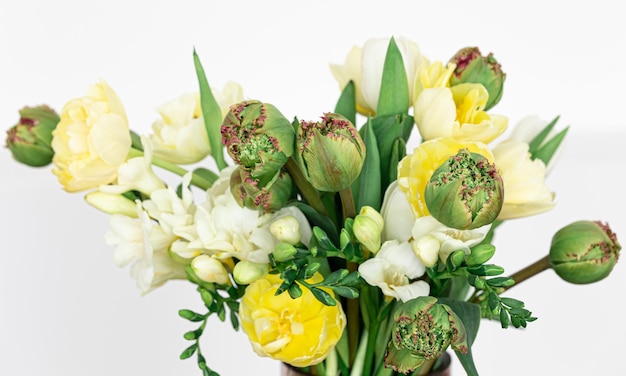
[(444, 370)]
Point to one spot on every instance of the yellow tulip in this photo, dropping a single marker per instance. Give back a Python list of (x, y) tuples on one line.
[(301, 332)]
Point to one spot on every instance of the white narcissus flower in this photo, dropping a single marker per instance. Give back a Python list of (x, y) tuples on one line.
[(397, 214), (143, 244), (393, 270), (365, 66), (137, 174), (450, 239), (457, 112), (525, 190), (528, 128)]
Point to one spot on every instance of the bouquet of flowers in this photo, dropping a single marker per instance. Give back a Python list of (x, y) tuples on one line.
[(333, 245)]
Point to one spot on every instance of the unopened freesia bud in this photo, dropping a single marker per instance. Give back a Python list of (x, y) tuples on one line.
[(210, 269), (246, 272), (465, 192), (30, 139), (330, 153), (287, 229), (284, 251), (368, 228), (584, 252), (112, 203), (472, 67)]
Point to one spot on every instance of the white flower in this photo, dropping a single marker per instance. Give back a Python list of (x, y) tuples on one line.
[(393, 269), (143, 244), (136, 174), (210, 269), (525, 191), (450, 239), (397, 214)]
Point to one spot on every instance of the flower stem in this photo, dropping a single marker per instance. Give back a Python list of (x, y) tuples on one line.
[(307, 191), (347, 203), (530, 271)]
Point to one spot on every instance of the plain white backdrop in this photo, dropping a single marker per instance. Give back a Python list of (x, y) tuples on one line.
[(67, 310)]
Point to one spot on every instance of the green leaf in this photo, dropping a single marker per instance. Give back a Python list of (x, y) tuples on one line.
[(205, 176), (394, 87), (469, 314), (534, 144), (513, 303), (367, 188), (547, 150), (323, 296), (335, 276), (346, 291), (501, 282), (318, 220), (346, 105), (211, 113), (485, 270)]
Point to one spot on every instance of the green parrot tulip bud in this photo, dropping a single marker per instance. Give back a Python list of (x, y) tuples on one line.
[(473, 67), (29, 140), (273, 196), (465, 192), (258, 138), (584, 251), (423, 329), (330, 153)]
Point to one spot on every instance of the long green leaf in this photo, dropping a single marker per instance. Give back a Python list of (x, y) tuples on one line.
[(470, 316), (534, 144), (367, 189), (547, 150), (346, 105), (211, 113), (394, 87)]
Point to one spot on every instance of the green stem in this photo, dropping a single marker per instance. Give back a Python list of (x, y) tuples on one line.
[(310, 194), (359, 361), (347, 203), (371, 346), (202, 182), (530, 271)]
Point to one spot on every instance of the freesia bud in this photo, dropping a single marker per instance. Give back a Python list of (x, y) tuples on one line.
[(584, 252), (112, 203), (330, 153), (286, 229), (258, 138), (30, 139), (246, 272), (284, 251), (423, 329), (210, 269), (473, 67), (465, 192), (368, 228)]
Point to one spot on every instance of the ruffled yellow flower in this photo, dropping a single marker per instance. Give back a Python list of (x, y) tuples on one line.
[(457, 112), (91, 141), (300, 331), (415, 170), (431, 76)]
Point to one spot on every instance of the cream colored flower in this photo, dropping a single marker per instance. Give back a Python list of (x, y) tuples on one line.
[(434, 75), (91, 140), (301, 332), (210, 269), (457, 112), (525, 190), (397, 214), (394, 269), (365, 66), (415, 170)]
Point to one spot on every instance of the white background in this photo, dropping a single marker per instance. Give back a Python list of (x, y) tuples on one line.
[(67, 310)]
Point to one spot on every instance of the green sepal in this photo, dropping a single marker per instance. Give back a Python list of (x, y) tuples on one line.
[(346, 104), (211, 113), (394, 87)]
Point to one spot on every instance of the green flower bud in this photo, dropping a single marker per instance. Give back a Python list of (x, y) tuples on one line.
[(368, 227), (111, 203), (258, 138), (245, 272), (273, 196), (423, 330), (284, 251), (465, 192), (29, 140), (287, 229), (330, 153), (472, 67), (210, 269), (584, 252)]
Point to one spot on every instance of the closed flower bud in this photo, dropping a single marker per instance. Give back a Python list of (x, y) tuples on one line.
[(268, 199), (465, 192), (423, 330), (330, 153), (30, 139), (287, 229), (284, 251), (584, 252), (245, 272), (258, 138), (112, 203), (368, 228), (473, 67), (210, 269)]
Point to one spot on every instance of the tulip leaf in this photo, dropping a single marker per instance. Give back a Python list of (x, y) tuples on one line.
[(547, 150), (346, 105), (394, 87), (367, 187), (469, 314), (211, 113), (534, 144), (387, 130)]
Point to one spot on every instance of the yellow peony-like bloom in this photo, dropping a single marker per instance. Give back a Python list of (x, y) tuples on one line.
[(300, 331), (458, 112), (91, 140), (415, 170), (430, 76)]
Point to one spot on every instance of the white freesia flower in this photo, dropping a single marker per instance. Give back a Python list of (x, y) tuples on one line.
[(525, 191), (136, 174), (397, 214), (450, 239), (393, 270), (210, 269), (225, 229), (143, 244), (529, 127)]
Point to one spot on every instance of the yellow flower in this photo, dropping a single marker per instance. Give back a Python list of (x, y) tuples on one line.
[(457, 112), (91, 140), (430, 76), (300, 331), (415, 170)]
